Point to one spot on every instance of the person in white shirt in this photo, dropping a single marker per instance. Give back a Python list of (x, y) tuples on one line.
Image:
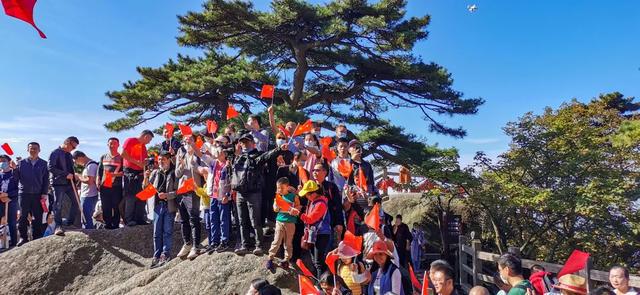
[(619, 279)]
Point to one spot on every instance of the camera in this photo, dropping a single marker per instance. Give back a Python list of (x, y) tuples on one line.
[(150, 163)]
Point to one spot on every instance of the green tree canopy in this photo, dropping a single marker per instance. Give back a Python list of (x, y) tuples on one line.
[(348, 61), (563, 185)]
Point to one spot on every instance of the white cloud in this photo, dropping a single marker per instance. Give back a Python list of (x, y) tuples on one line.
[(50, 128), (482, 140)]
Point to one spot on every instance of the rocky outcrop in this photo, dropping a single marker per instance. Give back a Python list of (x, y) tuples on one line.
[(116, 262)]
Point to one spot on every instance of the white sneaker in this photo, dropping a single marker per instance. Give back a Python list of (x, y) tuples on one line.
[(193, 253), (184, 251)]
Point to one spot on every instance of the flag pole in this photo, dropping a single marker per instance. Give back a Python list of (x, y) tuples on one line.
[(75, 192), (293, 134)]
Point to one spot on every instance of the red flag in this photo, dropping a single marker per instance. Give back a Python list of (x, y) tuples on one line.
[(147, 193), (326, 140), (22, 10), (7, 149), (330, 261), (306, 286), (188, 185), (353, 241), (362, 180), (282, 203), (169, 127), (425, 283), (199, 142), (345, 168), (576, 261), (304, 128), (302, 174), (373, 219), (414, 280), (231, 112), (303, 268), (212, 126), (284, 130), (185, 130), (108, 179), (267, 91), (327, 153)]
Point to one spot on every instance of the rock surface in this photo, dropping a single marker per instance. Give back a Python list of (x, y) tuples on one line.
[(116, 262)]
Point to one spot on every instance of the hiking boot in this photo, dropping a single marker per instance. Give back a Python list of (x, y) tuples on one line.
[(164, 259), (241, 251), (59, 232), (184, 251), (224, 246), (21, 242), (270, 266), (131, 223), (212, 248), (154, 262), (257, 251), (195, 251)]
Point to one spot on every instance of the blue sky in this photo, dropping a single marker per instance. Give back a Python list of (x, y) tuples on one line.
[(519, 56)]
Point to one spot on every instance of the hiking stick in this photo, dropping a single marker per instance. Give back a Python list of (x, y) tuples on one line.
[(75, 192)]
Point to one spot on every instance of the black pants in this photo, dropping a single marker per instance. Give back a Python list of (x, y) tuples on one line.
[(110, 199), (268, 196), (134, 209), (249, 209), (190, 217), (30, 204), (319, 253)]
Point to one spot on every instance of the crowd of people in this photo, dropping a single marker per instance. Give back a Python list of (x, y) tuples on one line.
[(291, 197)]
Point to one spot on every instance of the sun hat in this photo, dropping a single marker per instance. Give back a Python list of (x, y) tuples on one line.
[(379, 247), (309, 187), (572, 283)]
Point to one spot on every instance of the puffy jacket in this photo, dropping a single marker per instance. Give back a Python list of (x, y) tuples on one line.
[(317, 214)]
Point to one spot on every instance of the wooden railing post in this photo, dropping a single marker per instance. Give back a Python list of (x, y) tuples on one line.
[(477, 263), (587, 275), (462, 260)]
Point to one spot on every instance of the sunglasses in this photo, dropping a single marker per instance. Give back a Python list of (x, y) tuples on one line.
[(317, 170)]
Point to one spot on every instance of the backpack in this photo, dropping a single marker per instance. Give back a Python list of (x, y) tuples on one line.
[(248, 175)]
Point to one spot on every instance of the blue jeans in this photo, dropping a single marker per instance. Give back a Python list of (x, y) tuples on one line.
[(162, 229), (207, 224), (59, 192), (220, 220), (12, 220), (88, 207)]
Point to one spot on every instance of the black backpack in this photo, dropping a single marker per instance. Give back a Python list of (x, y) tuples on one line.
[(248, 176)]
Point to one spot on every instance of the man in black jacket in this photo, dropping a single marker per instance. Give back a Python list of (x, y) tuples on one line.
[(248, 181), (61, 174), (33, 187)]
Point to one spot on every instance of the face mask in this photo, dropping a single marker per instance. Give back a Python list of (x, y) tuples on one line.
[(342, 135), (310, 144), (280, 142), (4, 166)]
